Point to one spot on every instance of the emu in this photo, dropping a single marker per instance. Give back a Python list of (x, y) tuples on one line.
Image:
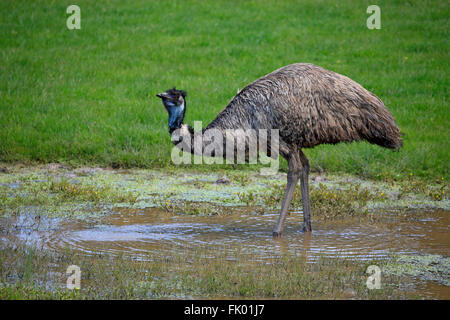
[(309, 105)]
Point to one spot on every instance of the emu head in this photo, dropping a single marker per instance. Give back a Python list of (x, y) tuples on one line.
[(175, 104)]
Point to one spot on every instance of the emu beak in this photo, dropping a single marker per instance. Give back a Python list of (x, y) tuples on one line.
[(162, 95)]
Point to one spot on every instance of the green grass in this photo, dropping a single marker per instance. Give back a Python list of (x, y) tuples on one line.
[(88, 96)]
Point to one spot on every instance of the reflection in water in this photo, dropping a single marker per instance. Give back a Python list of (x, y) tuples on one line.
[(283, 244)]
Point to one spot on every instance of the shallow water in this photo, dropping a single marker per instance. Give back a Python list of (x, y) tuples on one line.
[(139, 232)]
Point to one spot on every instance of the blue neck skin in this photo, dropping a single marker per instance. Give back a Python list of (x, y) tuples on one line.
[(176, 115)]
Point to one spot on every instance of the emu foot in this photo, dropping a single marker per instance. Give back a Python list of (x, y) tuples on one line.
[(305, 228), (276, 234)]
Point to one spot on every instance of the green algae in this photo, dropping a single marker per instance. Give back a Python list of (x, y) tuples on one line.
[(426, 267), (60, 190)]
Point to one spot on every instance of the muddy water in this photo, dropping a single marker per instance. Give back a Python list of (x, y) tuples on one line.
[(139, 232)]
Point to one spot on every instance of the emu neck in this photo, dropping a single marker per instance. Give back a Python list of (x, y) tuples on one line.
[(176, 116)]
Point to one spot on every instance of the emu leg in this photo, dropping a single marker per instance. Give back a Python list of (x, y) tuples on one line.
[(292, 179), (304, 174)]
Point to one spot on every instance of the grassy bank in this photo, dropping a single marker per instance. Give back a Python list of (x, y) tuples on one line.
[(88, 96)]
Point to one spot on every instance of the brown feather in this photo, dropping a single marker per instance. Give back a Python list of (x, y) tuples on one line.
[(311, 106)]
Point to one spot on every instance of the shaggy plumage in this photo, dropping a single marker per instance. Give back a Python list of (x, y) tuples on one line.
[(309, 106)]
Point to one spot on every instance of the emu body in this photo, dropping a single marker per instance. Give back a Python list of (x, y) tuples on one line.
[(309, 106)]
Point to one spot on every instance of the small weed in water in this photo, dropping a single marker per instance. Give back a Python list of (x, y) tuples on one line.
[(436, 191), (85, 192), (249, 197), (189, 207), (326, 202)]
